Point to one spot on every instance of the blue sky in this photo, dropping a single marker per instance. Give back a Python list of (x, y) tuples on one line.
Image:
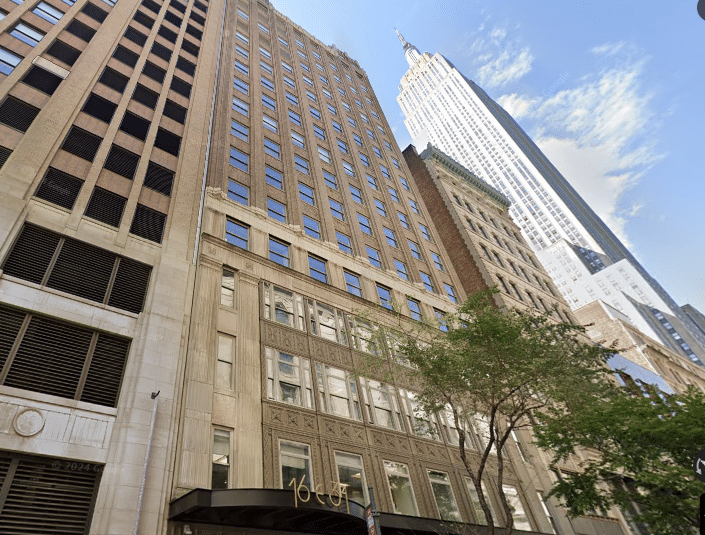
[(612, 90)]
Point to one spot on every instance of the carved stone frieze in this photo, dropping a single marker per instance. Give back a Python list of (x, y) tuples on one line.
[(300, 421), (388, 441), (427, 449), (344, 431), (284, 339), (329, 352)]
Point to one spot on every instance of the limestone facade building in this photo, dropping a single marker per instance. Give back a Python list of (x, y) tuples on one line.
[(204, 217)]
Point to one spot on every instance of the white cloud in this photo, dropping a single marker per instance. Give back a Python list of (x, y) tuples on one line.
[(508, 67), (599, 134)]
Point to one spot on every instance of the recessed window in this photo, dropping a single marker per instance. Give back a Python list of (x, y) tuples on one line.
[(401, 269), (415, 251), (324, 155), (242, 68), (291, 99), (294, 118), (225, 361), (395, 196), (365, 161), (264, 52), (48, 13), (425, 232), (315, 113), (443, 494), (297, 139), (279, 252), (301, 164), (330, 180), (227, 288), (373, 254), (381, 210), (414, 308), (270, 124), (475, 501), (403, 220), (272, 148), (342, 146), (437, 261), (289, 82), (372, 182), (273, 177), (385, 296), (319, 132), (521, 520), (239, 160), (370, 133), (220, 464), (244, 53), (269, 103), (441, 317), (427, 282), (337, 391), (312, 227), (352, 122), (237, 233), (238, 193), (27, 34), (351, 475), (451, 293), (317, 268), (352, 283), (336, 209), (391, 237), (356, 194), (404, 183), (311, 96), (241, 107), (306, 194), (344, 243), (348, 168), (385, 172), (365, 226), (332, 109), (8, 61), (289, 381), (276, 210), (337, 127), (399, 483)]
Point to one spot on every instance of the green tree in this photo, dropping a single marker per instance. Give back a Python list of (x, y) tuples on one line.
[(503, 365), (644, 451)]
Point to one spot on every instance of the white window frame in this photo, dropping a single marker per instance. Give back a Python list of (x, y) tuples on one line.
[(342, 400), (298, 382)]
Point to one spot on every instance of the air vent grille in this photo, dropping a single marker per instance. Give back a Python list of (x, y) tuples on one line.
[(148, 224), (81, 143), (59, 188), (17, 114), (43, 80), (106, 206), (159, 179), (122, 161)]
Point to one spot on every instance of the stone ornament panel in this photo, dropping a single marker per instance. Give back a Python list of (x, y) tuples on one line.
[(291, 418), (285, 339), (330, 353), (382, 440), (343, 430), (424, 448)]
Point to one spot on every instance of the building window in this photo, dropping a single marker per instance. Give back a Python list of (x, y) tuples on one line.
[(451, 293), (349, 169), (337, 392), (395, 196), (220, 465), (425, 232), (344, 243), (237, 233), (437, 261), (400, 488), (421, 423), (351, 475), (279, 252), (352, 283), (372, 254), (319, 132), (272, 148), (241, 107), (381, 209), (414, 206), (521, 520), (301, 164), (306, 194), (401, 269), (283, 307), (391, 237), (385, 296), (372, 182), (327, 322), (244, 53), (276, 210), (288, 378), (415, 251), (403, 220), (27, 34), (295, 462), (475, 501), (426, 279), (8, 61), (270, 124), (317, 268), (336, 209), (47, 12), (547, 512), (441, 317), (414, 308), (385, 172), (297, 140), (311, 96), (237, 192), (269, 103), (381, 404), (239, 160), (294, 118), (443, 493), (240, 131), (291, 99), (342, 146), (337, 127), (227, 288), (324, 155), (356, 194), (226, 359), (273, 177), (267, 84), (312, 227), (365, 161), (330, 180), (332, 109)]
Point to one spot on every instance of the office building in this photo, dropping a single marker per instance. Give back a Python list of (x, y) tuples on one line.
[(204, 221), (443, 107)]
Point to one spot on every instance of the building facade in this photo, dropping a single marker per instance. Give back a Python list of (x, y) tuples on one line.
[(443, 107), (204, 221)]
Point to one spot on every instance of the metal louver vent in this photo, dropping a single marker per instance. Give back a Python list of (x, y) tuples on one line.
[(148, 224), (151, 5), (168, 142), (94, 12), (185, 66), (122, 161), (161, 51), (41, 79), (178, 6), (192, 30), (174, 111), (99, 107), (146, 96), (128, 57), (106, 206), (81, 143), (175, 20), (63, 52), (47, 495), (181, 87), (189, 47), (31, 254), (198, 18), (4, 155), (114, 79), (59, 188), (155, 73), (130, 285), (17, 114), (79, 269), (159, 179), (167, 34), (135, 126), (105, 371), (80, 30), (10, 325), (71, 275), (50, 358), (144, 20), (200, 6), (135, 36)]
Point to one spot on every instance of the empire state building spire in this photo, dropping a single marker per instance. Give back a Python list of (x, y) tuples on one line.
[(410, 51)]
